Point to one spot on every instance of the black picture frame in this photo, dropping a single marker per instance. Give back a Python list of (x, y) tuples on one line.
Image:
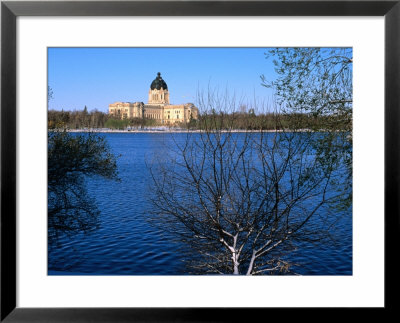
[(10, 10)]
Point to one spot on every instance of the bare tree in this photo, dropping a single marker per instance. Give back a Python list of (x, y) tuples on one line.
[(241, 200)]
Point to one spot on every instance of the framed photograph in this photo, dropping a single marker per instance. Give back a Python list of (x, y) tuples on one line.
[(189, 160)]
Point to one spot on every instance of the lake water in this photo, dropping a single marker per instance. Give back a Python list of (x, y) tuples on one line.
[(126, 244)]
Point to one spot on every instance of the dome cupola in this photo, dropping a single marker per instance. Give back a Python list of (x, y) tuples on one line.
[(158, 93), (158, 83)]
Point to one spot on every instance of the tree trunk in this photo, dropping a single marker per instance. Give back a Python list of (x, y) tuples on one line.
[(235, 263), (236, 268)]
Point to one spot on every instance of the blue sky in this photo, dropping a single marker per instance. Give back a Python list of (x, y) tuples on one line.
[(96, 77)]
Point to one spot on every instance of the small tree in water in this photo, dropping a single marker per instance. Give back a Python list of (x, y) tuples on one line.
[(241, 202)]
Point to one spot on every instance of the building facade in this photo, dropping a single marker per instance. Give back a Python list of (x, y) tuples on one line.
[(158, 107)]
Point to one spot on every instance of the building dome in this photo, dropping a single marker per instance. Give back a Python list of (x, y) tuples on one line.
[(158, 83)]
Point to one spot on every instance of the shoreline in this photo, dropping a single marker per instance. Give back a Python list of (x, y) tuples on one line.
[(163, 131)]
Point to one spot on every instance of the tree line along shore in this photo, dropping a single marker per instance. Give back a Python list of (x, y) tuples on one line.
[(84, 120)]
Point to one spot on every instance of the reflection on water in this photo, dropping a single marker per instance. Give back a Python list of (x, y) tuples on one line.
[(126, 244)]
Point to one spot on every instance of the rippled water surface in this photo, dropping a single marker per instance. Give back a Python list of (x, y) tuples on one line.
[(126, 244)]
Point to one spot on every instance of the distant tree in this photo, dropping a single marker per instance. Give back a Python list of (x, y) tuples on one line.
[(85, 119), (192, 123), (114, 123), (72, 158), (76, 119), (150, 122), (97, 119)]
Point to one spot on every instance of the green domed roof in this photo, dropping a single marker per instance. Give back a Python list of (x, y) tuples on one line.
[(158, 83)]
